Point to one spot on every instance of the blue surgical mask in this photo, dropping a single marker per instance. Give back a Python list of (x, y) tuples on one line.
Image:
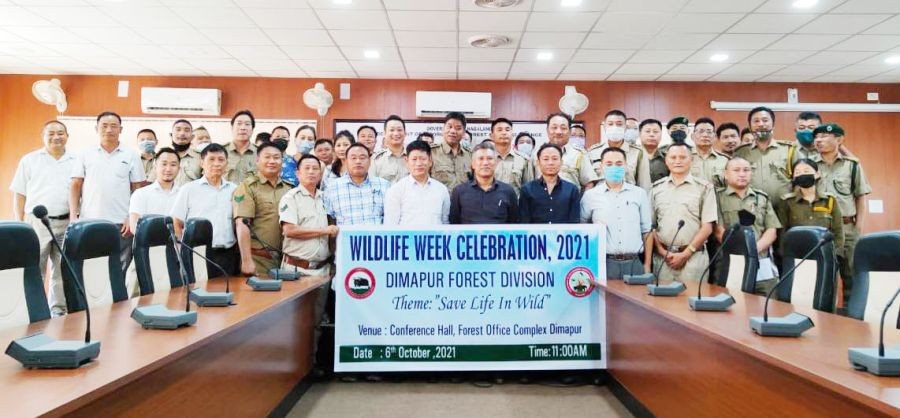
[(465, 144), (614, 173), (805, 137), (526, 148), (147, 147), (304, 147), (631, 136)]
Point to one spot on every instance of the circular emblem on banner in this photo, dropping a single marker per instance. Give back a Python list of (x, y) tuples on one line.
[(360, 283), (580, 282)]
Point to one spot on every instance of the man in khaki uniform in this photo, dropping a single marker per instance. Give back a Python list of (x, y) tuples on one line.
[(728, 138), (389, 163), (707, 163), (257, 199), (513, 168), (452, 161), (737, 195), (638, 167), (182, 136), (770, 159), (650, 131), (682, 197), (576, 165), (241, 152), (843, 177), (147, 142)]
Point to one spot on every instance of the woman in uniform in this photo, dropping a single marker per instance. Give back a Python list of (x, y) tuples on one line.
[(810, 206)]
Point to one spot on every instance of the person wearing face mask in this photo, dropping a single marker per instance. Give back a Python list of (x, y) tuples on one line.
[(728, 138), (280, 137), (578, 137), (304, 141), (626, 212), (241, 153), (525, 144), (576, 165), (390, 162), (466, 141), (770, 159), (513, 168), (452, 161), (809, 205), (200, 138), (638, 172), (803, 130), (631, 131), (146, 140), (845, 178), (548, 199), (43, 178), (650, 131), (182, 137)]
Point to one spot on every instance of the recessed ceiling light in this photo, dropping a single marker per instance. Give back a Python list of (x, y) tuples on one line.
[(718, 57), (496, 4), (804, 4), (544, 56), (372, 54), (893, 59), (570, 3)]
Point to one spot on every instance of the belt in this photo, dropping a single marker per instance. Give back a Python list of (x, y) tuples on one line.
[(304, 264), (621, 257), (62, 217), (261, 253), (849, 220), (677, 249)]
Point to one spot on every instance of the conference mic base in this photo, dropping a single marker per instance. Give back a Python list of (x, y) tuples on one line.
[(263, 284), (202, 297), (638, 279), (867, 359), (670, 289), (792, 325), (159, 317), (720, 302), (39, 351), (283, 274)]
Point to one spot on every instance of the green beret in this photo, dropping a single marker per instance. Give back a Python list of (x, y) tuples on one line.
[(829, 128), (678, 120)]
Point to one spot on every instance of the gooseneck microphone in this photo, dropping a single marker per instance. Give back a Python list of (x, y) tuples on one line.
[(675, 287), (203, 297), (181, 270), (722, 301), (265, 284), (886, 362), (668, 249)]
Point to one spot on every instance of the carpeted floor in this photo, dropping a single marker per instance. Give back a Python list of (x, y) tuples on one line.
[(420, 399)]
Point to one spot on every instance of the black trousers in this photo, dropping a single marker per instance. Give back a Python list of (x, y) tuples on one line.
[(228, 258)]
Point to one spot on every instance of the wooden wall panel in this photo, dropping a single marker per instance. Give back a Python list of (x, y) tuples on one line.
[(870, 136)]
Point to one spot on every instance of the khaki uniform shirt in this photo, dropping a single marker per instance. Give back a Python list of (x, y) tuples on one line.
[(824, 212), (576, 166), (810, 154), (190, 168), (514, 169), (301, 208), (257, 199), (658, 168), (694, 201), (451, 169), (148, 168), (755, 202), (388, 166), (711, 168), (771, 167), (843, 181), (240, 165), (638, 172)]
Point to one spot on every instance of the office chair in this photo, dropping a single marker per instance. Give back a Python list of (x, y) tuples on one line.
[(742, 243), (818, 291), (22, 297), (875, 252), (92, 245), (154, 256), (198, 234)]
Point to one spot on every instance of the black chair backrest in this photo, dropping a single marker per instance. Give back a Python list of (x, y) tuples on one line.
[(879, 251), (88, 239), (743, 243), (151, 232), (19, 248), (198, 232), (795, 243)]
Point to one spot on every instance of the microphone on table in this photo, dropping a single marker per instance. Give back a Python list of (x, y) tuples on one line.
[(879, 362), (722, 301), (202, 297), (794, 324), (676, 287), (643, 278), (38, 351), (157, 316), (266, 284)]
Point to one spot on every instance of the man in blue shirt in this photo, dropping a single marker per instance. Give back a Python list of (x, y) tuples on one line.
[(484, 200), (625, 211), (549, 199)]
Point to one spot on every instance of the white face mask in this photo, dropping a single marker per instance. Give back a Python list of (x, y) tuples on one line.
[(615, 133), (577, 141), (201, 147), (631, 136), (525, 148)]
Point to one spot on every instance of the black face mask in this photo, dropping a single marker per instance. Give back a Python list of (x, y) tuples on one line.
[(805, 180), (281, 144), (679, 136), (181, 147)]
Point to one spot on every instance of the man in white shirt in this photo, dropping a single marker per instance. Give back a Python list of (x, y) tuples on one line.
[(417, 199), (209, 197), (42, 178), (103, 179), (159, 197)]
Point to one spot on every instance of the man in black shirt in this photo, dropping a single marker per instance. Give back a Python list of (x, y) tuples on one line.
[(483, 200)]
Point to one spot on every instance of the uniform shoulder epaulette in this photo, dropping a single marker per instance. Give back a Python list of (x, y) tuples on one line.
[(599, 145), (742, 146), (786, 143), (760, 192), (251, 179), (727, 157), (660, 181), (721, 189), (435, 145)]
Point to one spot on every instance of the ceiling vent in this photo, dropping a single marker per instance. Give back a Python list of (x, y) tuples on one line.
[(496, 4), (488, 41)]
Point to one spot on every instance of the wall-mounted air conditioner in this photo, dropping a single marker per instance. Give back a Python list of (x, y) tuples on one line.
[(179, 101), (432, 104)]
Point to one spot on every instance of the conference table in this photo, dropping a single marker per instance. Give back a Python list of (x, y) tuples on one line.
[(678, 362), (240, 361)]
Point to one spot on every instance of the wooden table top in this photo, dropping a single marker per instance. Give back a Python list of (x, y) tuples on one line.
[(819, 355), (127, 351)]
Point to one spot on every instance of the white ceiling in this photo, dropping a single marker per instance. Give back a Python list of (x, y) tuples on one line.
[(667, 40)]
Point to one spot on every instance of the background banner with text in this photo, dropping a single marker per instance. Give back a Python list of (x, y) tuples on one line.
[(504, 297)]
